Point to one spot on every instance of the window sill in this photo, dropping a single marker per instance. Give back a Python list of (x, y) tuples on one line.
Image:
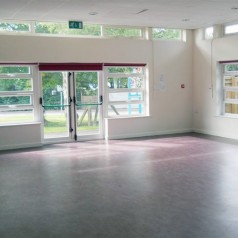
[(228, 116), (20, 124), (124, 117)]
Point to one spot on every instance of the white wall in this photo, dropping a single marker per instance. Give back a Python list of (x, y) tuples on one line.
[(20, 136), (207, 53), (170, 110)]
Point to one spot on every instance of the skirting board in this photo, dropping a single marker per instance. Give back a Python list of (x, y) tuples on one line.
[(153, 133), (212, 133), (20, 146)]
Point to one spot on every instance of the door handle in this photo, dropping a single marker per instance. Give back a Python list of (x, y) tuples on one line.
[(101, 100)]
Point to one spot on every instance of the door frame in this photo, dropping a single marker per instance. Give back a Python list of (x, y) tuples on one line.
[(73, 136)]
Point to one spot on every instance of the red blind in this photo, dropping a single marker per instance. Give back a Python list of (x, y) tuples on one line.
[(124, 64), (70, 66), (18, 64), (228, 61)]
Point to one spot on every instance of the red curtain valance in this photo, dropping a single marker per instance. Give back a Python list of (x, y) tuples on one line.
[(70, 66)]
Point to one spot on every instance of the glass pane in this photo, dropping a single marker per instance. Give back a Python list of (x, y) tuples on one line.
[(13, 27), (63, 29), (125, 110), (231, 81), (15, 100), (231, 67), (56, 122), (55, 100), (87, 96), (16, 84), (231, 95), (54, 93), (16, 116), (86, 85), (167, 34), (231, 29), (209, 33), (14, 69), (125, 70), (122, 32), (231, 108), (130, 82), (126, 97)]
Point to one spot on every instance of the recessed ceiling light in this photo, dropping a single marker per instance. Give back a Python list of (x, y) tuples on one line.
[(93, 13)]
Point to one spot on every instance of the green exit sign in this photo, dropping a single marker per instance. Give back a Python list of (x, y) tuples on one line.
[(75, 25)]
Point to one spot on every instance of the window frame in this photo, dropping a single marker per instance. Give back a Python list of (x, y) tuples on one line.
[(16, 31), (142, 90), (31, 93), (181, 38), (121, 36), (226, 89), (230, 25), (211, 35), (65, 34)]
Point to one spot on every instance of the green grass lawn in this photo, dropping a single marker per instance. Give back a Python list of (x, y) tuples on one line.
[(16, 118), (58, 123), (54, 123)]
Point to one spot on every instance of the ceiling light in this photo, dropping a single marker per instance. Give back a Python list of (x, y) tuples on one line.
[(144, 10)]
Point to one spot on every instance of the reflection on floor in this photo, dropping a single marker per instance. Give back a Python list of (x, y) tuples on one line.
[(183, 186)]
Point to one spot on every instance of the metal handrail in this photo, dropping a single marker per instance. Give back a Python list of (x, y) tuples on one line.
[(56, 105), (88, 104)]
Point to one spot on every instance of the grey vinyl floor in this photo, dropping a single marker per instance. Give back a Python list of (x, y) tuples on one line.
[(183, 186)]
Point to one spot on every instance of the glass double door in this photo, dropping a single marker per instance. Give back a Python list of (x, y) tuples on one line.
[(71, 105)]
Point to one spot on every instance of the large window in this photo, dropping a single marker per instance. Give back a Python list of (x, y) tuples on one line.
[(16, 94), (230, 89), (125, 91)]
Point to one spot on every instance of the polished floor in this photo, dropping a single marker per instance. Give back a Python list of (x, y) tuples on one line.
[(183, 186)]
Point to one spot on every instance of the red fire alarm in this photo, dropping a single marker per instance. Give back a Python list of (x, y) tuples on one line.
[(182, 85)]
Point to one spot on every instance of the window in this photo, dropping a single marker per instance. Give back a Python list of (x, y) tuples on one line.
[(231, 29), (166, 34), (63, 29), (16, 94), (126, 32), (14, 27), (230, 89), (125, 91), (209, 31)]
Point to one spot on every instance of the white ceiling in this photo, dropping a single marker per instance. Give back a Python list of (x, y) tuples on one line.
[(155, 13)]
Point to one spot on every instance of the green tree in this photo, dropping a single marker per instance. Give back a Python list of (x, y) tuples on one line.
[(162, 33), (14, 26), (122, 32), (231, 67), (62, 28), (14, 84), (50, 81)]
